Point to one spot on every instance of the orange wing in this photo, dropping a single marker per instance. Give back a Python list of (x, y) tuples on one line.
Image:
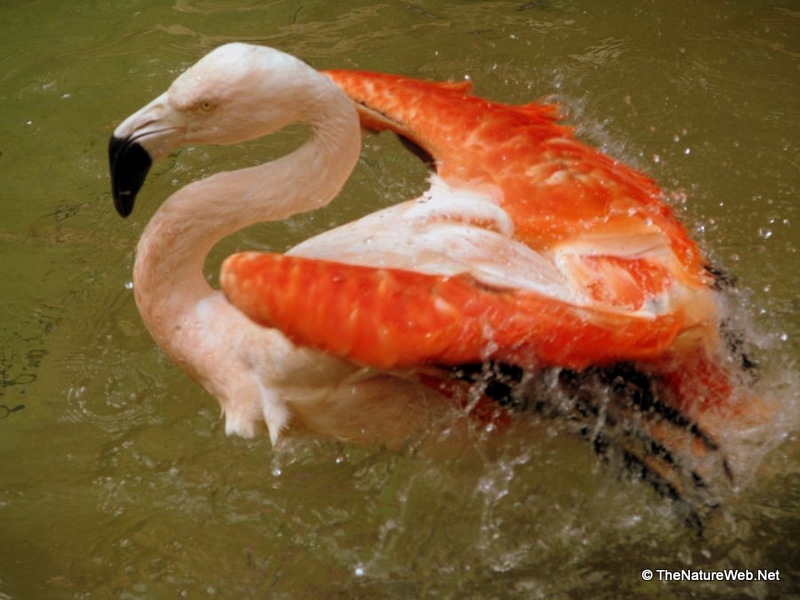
[(554, 187), (392, 318)]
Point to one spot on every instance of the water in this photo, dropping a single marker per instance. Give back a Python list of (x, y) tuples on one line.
[(116, 479)]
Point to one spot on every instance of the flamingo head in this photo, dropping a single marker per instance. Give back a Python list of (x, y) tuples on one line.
[(235, 93)]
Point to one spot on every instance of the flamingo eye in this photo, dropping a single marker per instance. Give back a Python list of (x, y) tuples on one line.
[(206, 106)]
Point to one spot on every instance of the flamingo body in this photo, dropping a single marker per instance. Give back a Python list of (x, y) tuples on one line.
[(626, 281)]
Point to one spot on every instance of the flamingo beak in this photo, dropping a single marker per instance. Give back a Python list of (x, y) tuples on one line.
[(129, 163), (145, 136)]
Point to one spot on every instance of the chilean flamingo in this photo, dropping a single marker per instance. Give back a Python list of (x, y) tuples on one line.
[(530, 249)]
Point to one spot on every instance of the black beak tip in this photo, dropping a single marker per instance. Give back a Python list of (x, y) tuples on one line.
[(124, 202), (129, 164)]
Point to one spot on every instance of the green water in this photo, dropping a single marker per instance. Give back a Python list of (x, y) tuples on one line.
[(116, 479)]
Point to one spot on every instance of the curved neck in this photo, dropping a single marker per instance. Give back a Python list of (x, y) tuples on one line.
[(168, 274)]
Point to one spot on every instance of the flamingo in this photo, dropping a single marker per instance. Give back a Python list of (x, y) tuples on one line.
[(530, 249)]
